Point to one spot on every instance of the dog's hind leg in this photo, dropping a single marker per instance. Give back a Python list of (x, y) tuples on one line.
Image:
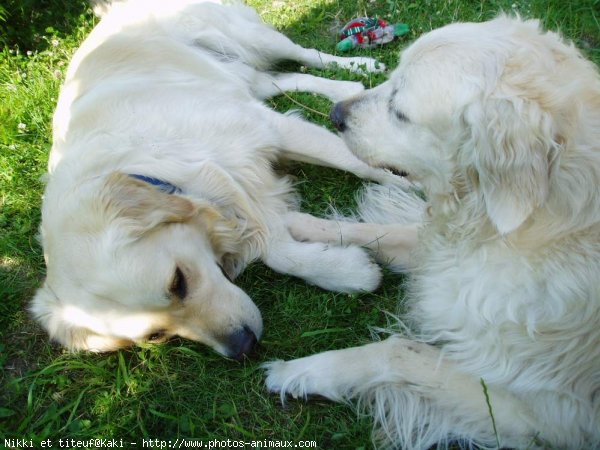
[(281, 48), (417, 397), (303, 141), (340, 269), (320, 60), (275, 46), (269, 85), (238, 31)]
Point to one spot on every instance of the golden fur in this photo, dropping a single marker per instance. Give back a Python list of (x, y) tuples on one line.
[(172, 91), (499, 123)]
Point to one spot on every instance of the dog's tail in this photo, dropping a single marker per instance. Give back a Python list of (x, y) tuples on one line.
[(390, 204)]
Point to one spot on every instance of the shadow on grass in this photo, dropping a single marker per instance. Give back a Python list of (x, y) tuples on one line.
[(25, 21)]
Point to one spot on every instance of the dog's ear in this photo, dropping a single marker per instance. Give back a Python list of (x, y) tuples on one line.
[(143, 206), (509, 144), (224, 234), (62, 326)]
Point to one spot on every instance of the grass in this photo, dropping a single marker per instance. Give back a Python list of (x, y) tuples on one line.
[(181, 389)]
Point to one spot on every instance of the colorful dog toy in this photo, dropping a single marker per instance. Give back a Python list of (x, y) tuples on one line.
[(368, 32)]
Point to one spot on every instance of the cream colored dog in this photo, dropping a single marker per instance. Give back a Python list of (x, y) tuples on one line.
[(161, 188), (500, 124)]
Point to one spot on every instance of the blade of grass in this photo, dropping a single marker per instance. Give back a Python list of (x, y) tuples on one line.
[(323, 331), (489, 405)]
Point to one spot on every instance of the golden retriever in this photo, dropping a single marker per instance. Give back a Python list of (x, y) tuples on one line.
[(499, 123), (161, 188)]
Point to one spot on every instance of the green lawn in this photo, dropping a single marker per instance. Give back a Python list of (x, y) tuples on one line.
[(181, 389)]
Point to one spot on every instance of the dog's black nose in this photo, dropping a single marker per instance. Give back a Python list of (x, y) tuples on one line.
[(241, 343), (337, 116)]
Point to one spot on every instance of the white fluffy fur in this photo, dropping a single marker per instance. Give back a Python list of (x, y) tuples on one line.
[(500, 124), (173, 90)]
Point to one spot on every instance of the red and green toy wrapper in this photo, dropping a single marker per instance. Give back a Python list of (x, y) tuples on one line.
[(368, 32)]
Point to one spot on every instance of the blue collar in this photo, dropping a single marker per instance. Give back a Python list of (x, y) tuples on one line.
[(164, 186)]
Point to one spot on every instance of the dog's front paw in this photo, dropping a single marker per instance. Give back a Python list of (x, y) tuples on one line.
[(283, 379), (345, 269), (300, 378)]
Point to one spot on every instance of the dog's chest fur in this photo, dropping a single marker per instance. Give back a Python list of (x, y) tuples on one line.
[(484, 303)]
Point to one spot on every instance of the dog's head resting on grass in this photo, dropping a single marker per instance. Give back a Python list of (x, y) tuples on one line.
[(491, 118), (129, 263)]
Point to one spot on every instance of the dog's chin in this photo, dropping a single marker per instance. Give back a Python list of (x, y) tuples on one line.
[(358, 150), (396, 171)]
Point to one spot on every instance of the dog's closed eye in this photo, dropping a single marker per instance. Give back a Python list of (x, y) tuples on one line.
[(394, 111), (156, 336), (401, 116), (178, 287)]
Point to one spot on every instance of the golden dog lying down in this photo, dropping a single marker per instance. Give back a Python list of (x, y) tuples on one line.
[(500, 124), (161, 188)]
